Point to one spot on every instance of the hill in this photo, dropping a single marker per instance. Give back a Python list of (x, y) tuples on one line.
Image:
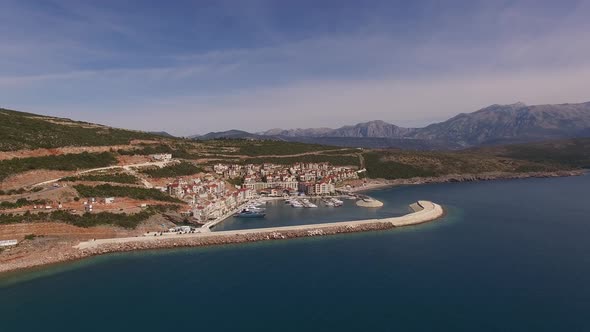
[(376, 142), (19, 130), (67, 141), (572, 152), (162, 133)]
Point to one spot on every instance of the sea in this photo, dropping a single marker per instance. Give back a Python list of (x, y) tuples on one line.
[(508, 256)]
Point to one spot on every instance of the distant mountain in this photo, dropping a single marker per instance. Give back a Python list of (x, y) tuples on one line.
[(234, 133), (375, 128), (515, 123), (496, 124), (309, 132)]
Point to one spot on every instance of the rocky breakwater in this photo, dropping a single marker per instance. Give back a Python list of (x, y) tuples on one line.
[(235, 238), (424, 211)]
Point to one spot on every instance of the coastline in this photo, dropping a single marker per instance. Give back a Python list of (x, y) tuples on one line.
[(489, 176), (66, 252), (426, 212)]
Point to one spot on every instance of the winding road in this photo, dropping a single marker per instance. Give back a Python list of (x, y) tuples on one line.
[(128, 168)]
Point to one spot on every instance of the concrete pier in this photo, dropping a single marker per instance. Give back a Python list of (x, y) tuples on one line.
[(424, 211)]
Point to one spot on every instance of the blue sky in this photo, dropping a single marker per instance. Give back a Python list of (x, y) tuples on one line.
[(197, 66)]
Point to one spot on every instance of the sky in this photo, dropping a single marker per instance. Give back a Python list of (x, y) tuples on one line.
[(191, 67)]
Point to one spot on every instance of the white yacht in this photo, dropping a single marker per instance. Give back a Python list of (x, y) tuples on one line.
[(296, 204)]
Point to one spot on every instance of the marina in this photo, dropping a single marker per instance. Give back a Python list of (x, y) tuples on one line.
[(421, 212), (299, 210)]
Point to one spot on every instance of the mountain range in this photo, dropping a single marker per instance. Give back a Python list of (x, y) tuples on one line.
[(496, 124)]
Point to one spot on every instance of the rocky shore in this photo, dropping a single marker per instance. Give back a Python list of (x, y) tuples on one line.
[(488, 176), (68, 253)]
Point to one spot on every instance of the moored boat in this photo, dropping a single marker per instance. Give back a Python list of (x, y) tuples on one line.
[(249, 214), (296, 204), (337, 202)]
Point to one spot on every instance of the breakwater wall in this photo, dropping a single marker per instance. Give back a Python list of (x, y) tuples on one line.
[(424, 211)]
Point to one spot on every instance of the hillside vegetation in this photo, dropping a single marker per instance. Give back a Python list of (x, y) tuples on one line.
[(408, 164), (336, 160), (107, 190), (181, 169), (129, 221), (266, 147), (25, 131), (66, 162), (573, 152), (115, 177), (20, 130)]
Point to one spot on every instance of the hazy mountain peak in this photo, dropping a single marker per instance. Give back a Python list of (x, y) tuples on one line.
[(512, 123), (500, 108), (519, 104)]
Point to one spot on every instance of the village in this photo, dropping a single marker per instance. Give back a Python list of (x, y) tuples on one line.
[(211, 196)]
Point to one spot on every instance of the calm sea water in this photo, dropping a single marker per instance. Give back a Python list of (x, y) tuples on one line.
[(280, 214), (509, 256)]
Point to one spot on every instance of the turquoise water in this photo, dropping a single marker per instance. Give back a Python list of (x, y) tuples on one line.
[(509, 256)]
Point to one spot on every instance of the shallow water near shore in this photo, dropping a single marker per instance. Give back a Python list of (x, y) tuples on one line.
[(508, 256)]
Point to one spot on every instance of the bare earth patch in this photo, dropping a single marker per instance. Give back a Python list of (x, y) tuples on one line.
[(54, 241), (128, 160), (32, 177), (62, 230), (59, 151)]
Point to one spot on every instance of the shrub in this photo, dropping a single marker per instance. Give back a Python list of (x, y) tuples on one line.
[(378, 168), (66, 162), (181, 169), (89, 219), (20, 203), (107, 190), (20, 130), (117, 178)]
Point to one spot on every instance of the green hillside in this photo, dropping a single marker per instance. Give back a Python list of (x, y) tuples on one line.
[(408, 164), (573, 152), (66, 162), (20, 130)]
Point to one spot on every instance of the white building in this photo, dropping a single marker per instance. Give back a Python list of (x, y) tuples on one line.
[(161, 157), (8, 243)]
